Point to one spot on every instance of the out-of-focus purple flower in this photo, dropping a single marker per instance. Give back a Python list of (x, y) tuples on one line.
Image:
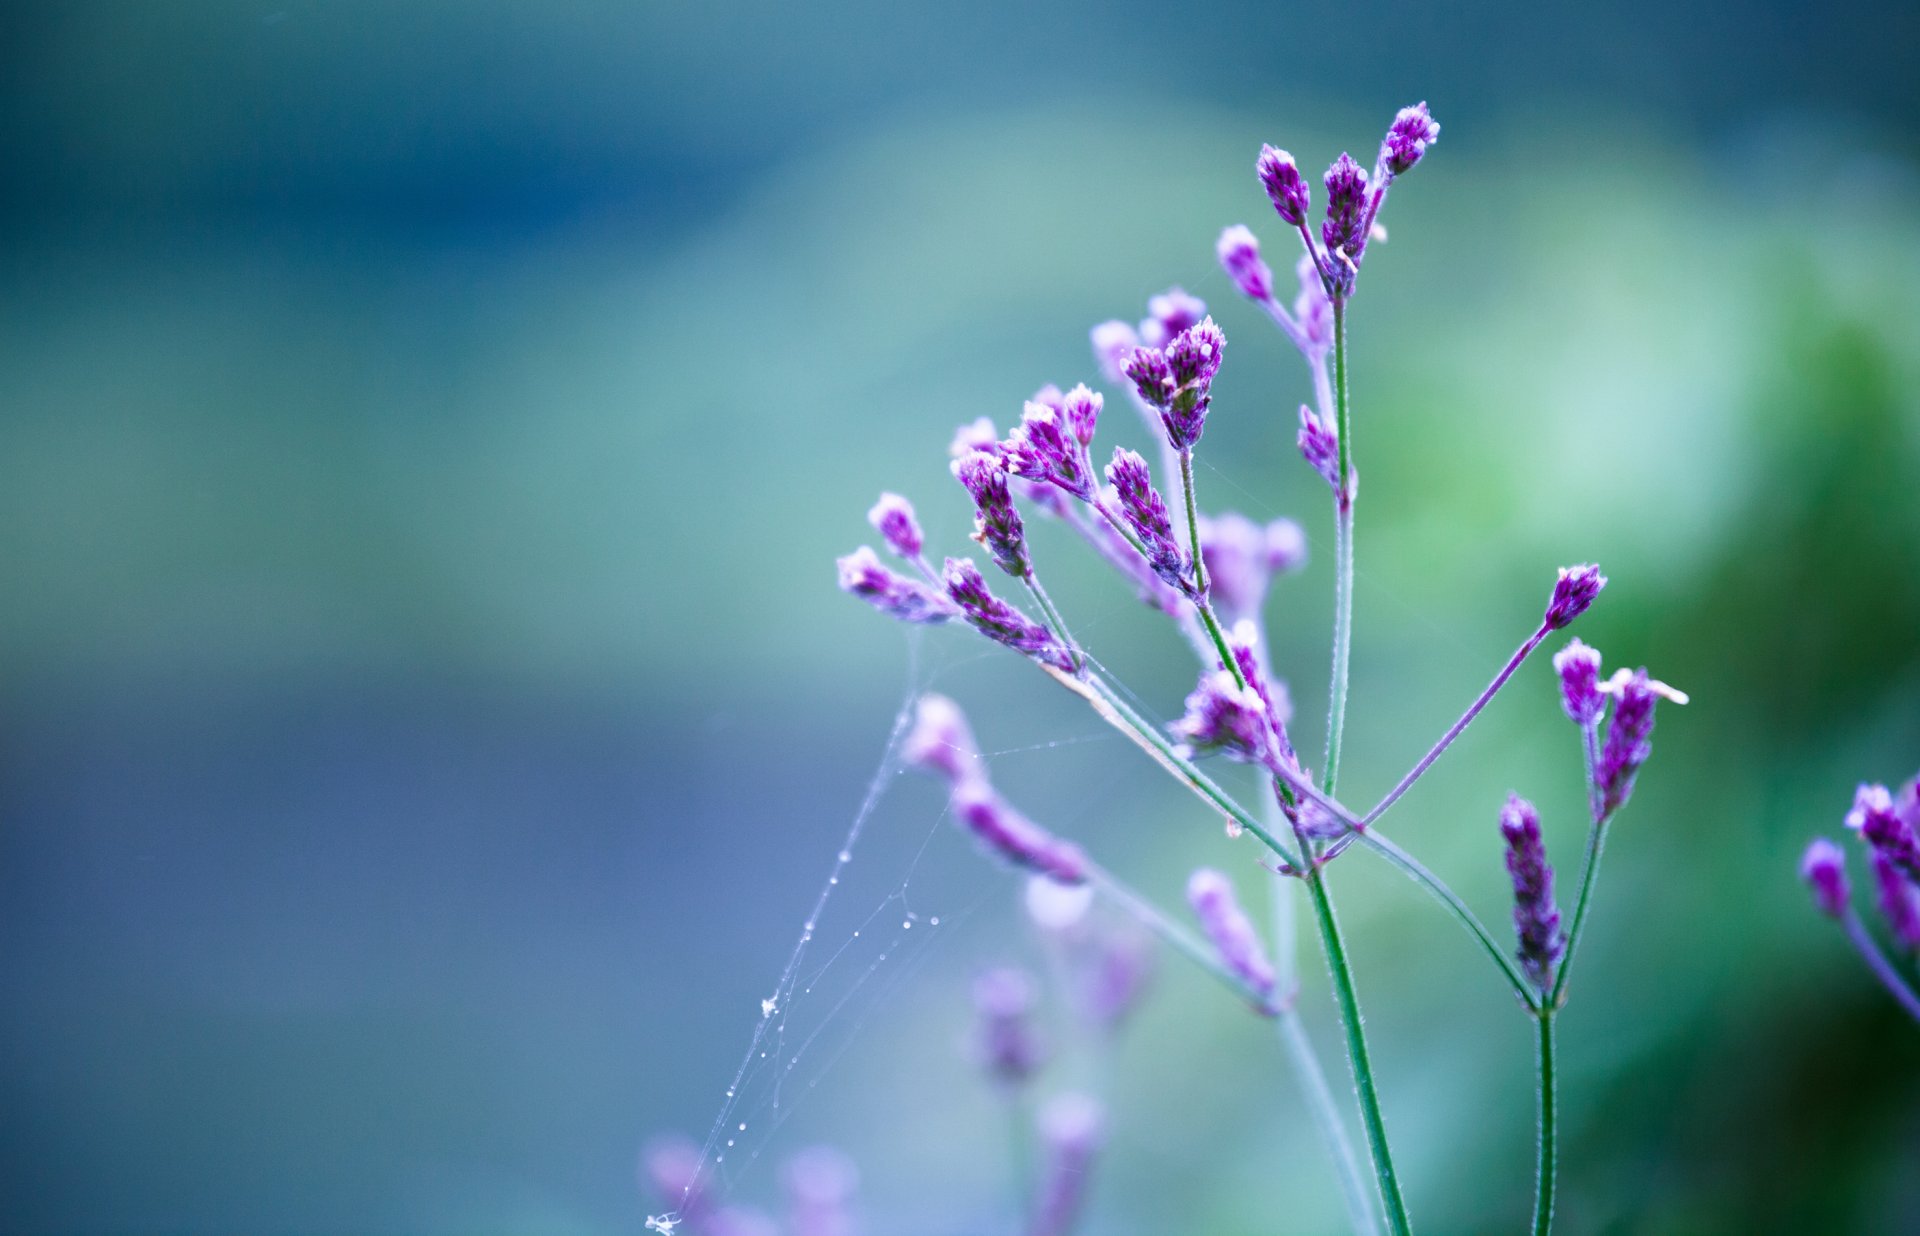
[(892, 517), (670, 1169), (1312, 310), (1056, 907), (1223, 716), (865, 576), (1824, 868), (1345, 229), (1241, 558), (1899, 900), (1579, 668), (1629, 733), (1320, 446), (941, 742), (1412, 131), (1044, 447), (1573, 592), (976, 435), (1286, 187), (821, 1183), (1906, 804), (1146, 513), (1210, 894), (1119, 968), (997, 525), (997, 620), (1071, 1128), (1536, 920), (1113, 345), (1006, 1041), (1239, 255), (1873, 816), (1169, 313), (1193, 358), (994, 822)]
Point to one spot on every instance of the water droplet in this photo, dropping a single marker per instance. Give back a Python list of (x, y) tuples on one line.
[(906, 924), (935, 920), (730, 1140), (743, 1124), (846, 856)]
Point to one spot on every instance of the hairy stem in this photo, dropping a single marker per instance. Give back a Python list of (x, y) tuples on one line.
[(1342, 553), (1193, 523), (1881, 967), (1420, 875), (1596, 842), (1055, 621), (1459, 727), (1549, 1149), (1349, 1001)]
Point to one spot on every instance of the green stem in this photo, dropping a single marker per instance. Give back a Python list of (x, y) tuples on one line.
[(1342, 551), (1420, 875), (1054, 620), (1549, 1149), (1349, 1000), (1193, 523), (1596, 841)]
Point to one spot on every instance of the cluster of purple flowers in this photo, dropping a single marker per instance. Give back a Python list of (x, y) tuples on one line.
[(1888, 826)]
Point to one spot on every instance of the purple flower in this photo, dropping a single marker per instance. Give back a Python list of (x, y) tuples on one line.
[(1045, 448), (1169, 313), (1210, 894), (1579, 668), (1006, 1041), (1311, 308), (1241, 557), (1285, 186), (1223, 716), (1151, 376), (941, 742), (821, 1183), (996, 825), (1873, 816), (1535, 918), (1899, 900), (1113, 345), (1629, 733), (1573, 592), (1408, 137), (1320, 446), (892, 517), (863, 575), (1275, 701), (976, 435), (1906, 804), (1082, 408), (1345, 229), (1144, 511), (996, 526), (1239, 255), (1071, 1128), (997, 620), (1193, 358), (1824, 868)]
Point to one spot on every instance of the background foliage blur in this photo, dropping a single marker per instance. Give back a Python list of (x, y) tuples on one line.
[(425, 711)]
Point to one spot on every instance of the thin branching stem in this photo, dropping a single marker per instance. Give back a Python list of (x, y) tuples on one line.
[(1419, 874), (1054, 620), (1176, 937), (1342, 553), (1596, 843)]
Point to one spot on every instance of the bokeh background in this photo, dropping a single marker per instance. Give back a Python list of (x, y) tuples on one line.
[(426, 716)]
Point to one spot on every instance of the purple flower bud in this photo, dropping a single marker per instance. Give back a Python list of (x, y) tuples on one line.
[(1824, 868), (975, 435), (1285, 186), (1225, 717), (1345, 230), (1320, 447), (1572, 593), (1874, 818), (892, 517), (1535, 918), (1210, 894), (1579, 668), (1151, 376), (1113, 345), (1239, 255), (1899, 900), (1144, 511), (940, 741), (1629, 737), (1193, 358), (1044, 448), (1071, 1127), (1168, 314), (997, 620), (1082, 408), (821, 1183), (1412, 131), (996, 524), (1311, 308), (995, 824), (909, 600), (1006, 1041)]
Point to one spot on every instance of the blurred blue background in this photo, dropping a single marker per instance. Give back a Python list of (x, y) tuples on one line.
[(426, 715)]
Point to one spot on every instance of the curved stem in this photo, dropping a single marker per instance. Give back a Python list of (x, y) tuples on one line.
[(1549, 1150), (1349, 1001), (1459, 727), (1420, 875), (1596, 842), (1881, 967), (1342, 552)]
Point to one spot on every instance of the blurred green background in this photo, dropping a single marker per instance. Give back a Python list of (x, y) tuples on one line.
[(426, 715)]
